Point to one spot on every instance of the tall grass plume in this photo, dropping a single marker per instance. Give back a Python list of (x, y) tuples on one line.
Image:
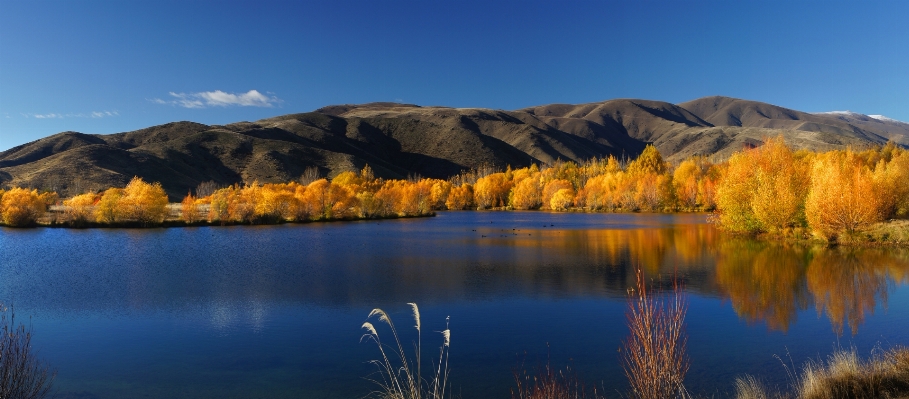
[(400, 377)]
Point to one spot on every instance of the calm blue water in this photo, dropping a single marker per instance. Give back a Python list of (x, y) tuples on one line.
[(275, 312)]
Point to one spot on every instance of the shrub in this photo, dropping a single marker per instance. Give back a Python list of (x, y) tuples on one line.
[(22, 376)]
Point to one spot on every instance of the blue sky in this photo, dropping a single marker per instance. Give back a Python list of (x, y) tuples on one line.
[(113, 66)]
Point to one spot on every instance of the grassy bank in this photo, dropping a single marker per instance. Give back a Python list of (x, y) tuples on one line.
[(842, 375)]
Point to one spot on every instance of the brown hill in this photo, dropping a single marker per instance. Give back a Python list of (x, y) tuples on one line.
[(398, 140)]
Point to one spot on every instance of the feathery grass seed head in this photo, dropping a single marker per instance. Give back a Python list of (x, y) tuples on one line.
[(416, 314)]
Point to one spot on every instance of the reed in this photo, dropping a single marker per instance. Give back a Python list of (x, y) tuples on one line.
[(397, 375), (843, 375), (549, 384), (654, 353), (22, 376)]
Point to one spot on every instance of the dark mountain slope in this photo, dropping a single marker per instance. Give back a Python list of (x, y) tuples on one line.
[(398, 140)]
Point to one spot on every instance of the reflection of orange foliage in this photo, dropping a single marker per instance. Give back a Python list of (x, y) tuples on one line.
[(764, 281), (847, 284), (771, 282)]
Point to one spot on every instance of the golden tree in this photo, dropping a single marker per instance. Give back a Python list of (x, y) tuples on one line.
[(219, 203), (842, 197), (189, 211), (78, 209), (562, 199), (551, 188), (460, 197), (143, 202), (21, 207), (492, 191), (108, 208), (526, 193), (891, 179)]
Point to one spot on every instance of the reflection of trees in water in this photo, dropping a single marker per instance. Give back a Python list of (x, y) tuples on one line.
[(846, 284), (771, 282), (763, 281)]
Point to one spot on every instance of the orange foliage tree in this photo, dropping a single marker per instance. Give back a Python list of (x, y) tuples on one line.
[(78, 209), (143, 202), (763, 189), (21, 207), (460, 197), (842, 197), (492, 191)]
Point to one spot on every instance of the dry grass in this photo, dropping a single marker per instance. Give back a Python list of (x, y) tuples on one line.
[(400, 377), (22, 376), (654, 354), (549, 384), (843, 375)]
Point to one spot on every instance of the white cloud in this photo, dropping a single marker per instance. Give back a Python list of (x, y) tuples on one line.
[(219, 98), (47, 116)]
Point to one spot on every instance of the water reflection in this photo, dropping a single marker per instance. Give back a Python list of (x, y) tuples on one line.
[(453, 258), (771, 282)]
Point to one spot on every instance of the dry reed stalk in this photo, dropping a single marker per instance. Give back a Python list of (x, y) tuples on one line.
[(654, 354), (398, 379), (549, 384), (22, 376)]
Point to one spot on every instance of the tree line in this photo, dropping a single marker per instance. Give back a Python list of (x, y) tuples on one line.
[(769, 189)]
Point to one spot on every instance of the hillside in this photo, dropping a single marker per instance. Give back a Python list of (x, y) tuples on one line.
[(398, 140)]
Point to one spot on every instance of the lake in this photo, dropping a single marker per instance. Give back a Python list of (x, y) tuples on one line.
[(275, 311)]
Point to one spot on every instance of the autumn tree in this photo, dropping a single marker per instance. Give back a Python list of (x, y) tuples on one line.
[(108, 208), (460, 198), (78, 209), (562, 200), (21, 207), (219, 203), (492, 191), (891, 179), (189, 211), (527, 193), (143, 202), (552, 188), (842, 197)]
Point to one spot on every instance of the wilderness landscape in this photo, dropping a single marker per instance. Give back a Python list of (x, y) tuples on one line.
[(425, 200), (399, 140)]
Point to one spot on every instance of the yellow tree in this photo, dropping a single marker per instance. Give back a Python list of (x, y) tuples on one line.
[(492, 191), (892, 183), (108, 208), (526, 193), (562, 199), (219, 205), (143, 202), (842, 196), (460, 197), (189, 211), (21, 207), (78, 209), (552, 188)]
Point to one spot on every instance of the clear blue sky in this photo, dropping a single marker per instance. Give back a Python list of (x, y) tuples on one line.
[(113, 66)]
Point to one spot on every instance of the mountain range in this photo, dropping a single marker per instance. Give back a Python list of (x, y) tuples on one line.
[(400, 140)]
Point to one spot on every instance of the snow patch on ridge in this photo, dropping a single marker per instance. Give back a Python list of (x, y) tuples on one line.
[(862, 117)]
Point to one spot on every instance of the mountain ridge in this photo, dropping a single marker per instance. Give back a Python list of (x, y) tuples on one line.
[(400, 140)]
